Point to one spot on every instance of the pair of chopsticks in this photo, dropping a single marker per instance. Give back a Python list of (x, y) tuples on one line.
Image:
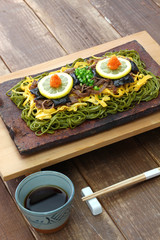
[(126, 183)]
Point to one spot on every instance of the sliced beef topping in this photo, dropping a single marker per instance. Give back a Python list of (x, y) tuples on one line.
[(73, 99), (94, 61), (69, 70), (47, 104), (44, 104), (51, 103), (33, 85), (85, 91), (39, 103)]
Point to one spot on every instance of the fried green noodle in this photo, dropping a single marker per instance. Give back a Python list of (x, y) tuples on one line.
[(71, 119)]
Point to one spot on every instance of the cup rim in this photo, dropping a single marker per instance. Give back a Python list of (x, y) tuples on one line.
[(47, 212)]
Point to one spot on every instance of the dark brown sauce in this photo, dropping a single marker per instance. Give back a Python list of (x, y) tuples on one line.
[(46, 198)]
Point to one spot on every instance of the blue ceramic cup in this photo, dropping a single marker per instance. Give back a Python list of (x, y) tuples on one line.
[(50, 221)]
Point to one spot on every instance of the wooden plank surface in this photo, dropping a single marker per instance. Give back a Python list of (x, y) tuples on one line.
[(151, 143), (143, 14), (24, 38), (135, 210), (73, 19), (132, 210), (42, 31), (157, 2), (3, 68), (12, 224), (13, 165), (82, 224)]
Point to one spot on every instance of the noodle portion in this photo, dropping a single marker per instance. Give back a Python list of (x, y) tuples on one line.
[(145, 88)]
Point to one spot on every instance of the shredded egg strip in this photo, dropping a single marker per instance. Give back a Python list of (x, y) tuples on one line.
[(96, 99)]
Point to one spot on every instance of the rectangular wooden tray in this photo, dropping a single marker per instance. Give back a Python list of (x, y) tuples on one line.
[(13, 164)]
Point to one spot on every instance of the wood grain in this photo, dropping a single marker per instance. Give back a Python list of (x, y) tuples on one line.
[(117, 186), (157, 2), (3, 68), (12, 224), (141, 15), (46, 66), (82, 224), (74, 23), (151, 143), (13, 165), (135, 208), (24, 39)]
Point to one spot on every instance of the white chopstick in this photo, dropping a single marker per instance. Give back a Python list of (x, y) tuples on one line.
[(126, 183)]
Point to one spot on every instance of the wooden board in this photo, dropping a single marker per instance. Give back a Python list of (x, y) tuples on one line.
[(13, 225), (12, 164), (27, 142), (132, 209), (20, 36), (145, 12)]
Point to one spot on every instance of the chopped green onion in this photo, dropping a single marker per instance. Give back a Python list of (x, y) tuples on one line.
[(96, 88), (85, 75)]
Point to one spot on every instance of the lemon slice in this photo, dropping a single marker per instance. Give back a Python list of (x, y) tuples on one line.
[(53, 93), (104, 71)]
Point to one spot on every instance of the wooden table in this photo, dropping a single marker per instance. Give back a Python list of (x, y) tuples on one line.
[(33, 32)]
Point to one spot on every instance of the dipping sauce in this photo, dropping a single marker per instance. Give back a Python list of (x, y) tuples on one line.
[(46, 198)]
